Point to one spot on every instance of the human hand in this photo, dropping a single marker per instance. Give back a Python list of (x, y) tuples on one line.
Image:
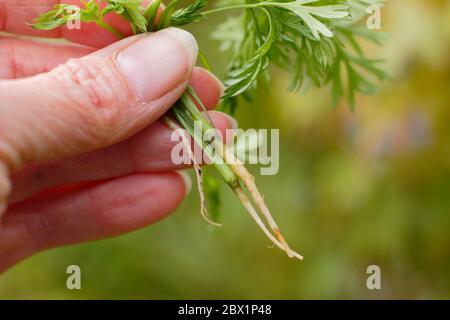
[(83, 155)]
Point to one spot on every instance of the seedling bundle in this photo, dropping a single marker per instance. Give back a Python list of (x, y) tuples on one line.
[(315, 41)]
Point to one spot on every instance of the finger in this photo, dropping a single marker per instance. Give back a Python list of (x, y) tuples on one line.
[(16, 17), (148, 151), (207, 86), (95, 101), (24, 58), (103, 210)]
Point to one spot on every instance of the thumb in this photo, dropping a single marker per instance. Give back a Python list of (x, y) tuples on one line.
[(94, 101)]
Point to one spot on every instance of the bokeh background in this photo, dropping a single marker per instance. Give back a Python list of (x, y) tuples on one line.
[(354, 189)]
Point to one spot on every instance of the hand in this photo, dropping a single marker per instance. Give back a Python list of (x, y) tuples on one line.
[(82, 153)]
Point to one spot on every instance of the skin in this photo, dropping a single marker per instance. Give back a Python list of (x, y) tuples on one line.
[(72, 169)]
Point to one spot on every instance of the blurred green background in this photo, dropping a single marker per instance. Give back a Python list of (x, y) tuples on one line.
[(354, 189)]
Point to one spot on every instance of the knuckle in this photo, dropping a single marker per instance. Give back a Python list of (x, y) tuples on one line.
[(96, 91)]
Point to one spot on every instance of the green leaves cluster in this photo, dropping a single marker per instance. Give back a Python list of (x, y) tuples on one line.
[(131, 10), (316, 41), (91, 11), (189, 14), (140, 19), (311, 15), (59, 16)]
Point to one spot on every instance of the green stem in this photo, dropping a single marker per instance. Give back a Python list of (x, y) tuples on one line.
[(189, 121), (239, 6), (111, 29)]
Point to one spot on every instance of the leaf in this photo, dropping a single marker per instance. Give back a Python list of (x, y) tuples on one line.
[(58, 17), (131, 10), (164, 20), (202, 57), (91, 12), (189, 14), (309, 13), (315, 41), (240, 79), (151, 13), (265, 47)]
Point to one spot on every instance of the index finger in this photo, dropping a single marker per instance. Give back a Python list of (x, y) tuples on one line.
[(16, 16)]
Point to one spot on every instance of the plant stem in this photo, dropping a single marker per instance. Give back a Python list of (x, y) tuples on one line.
[(185, 119), (198, 170), (238, 6), (229, 167), (111, 29), (232, 171)]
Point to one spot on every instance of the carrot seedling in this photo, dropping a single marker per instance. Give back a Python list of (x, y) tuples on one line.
[(316, 41)]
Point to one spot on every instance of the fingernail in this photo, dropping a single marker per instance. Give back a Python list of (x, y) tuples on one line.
[(158, 63), (187, 181)]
